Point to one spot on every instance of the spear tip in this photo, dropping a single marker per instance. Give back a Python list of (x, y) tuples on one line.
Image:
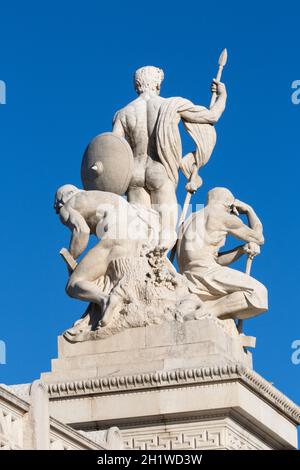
[(223, 58)]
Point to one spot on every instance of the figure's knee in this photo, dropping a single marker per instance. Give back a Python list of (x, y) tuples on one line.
[(260, 296), (263, 295), (71, 287)]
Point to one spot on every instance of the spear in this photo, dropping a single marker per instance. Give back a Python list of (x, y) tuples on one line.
[(240, 324), (221, 62)]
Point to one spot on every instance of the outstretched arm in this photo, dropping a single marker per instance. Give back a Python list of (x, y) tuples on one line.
[(201, 115)]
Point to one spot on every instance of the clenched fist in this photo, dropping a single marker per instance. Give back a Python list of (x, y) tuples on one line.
[(218, 87)]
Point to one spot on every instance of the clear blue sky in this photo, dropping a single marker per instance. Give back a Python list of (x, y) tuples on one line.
[(68, 67)]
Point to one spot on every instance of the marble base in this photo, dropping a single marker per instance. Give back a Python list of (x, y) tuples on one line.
[(172, 386)]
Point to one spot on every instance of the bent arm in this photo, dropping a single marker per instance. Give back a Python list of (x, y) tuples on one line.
[(201, 115), (230, 256), (80, 233), (241, 231), (255, 223)]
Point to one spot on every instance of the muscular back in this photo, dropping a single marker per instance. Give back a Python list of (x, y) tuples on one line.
[(87, 209), (201, 238), (137, 123), (204, 233)]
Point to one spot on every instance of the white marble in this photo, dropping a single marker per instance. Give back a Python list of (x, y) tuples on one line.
[(25, 424), (226, 292), (166, 385)]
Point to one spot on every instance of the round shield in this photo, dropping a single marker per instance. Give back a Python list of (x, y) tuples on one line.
[(107, 164)]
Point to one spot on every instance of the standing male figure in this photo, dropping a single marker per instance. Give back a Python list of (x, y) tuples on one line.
[(229, 293), (150, 125)]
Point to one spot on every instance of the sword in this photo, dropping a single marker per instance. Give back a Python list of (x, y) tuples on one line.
[(68, 259)]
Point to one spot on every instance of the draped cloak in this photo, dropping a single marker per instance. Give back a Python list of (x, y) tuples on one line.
[(199, 126)]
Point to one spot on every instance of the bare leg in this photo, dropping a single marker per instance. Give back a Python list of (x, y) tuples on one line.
[(81, 284), (139, 195), (164, 200)]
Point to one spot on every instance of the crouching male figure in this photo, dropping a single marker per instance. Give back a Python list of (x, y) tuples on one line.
[(228, 293)]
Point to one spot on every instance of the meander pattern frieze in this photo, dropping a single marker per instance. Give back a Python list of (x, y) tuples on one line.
[(198, 437)]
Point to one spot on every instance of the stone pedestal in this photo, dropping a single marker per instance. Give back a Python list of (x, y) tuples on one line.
[(171, 386)]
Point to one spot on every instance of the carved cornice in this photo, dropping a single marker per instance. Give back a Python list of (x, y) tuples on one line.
[(177, 378)]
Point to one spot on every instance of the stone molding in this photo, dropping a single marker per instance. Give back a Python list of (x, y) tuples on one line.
[(15, 427), (219, 434), (177, 378)]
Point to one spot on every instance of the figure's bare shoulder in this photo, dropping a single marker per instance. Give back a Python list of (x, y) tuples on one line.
[(79, 200), (129, 108), (119, 115), (178, 101), (127, 115), (232, 221), (218, 218), (158, 99)]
